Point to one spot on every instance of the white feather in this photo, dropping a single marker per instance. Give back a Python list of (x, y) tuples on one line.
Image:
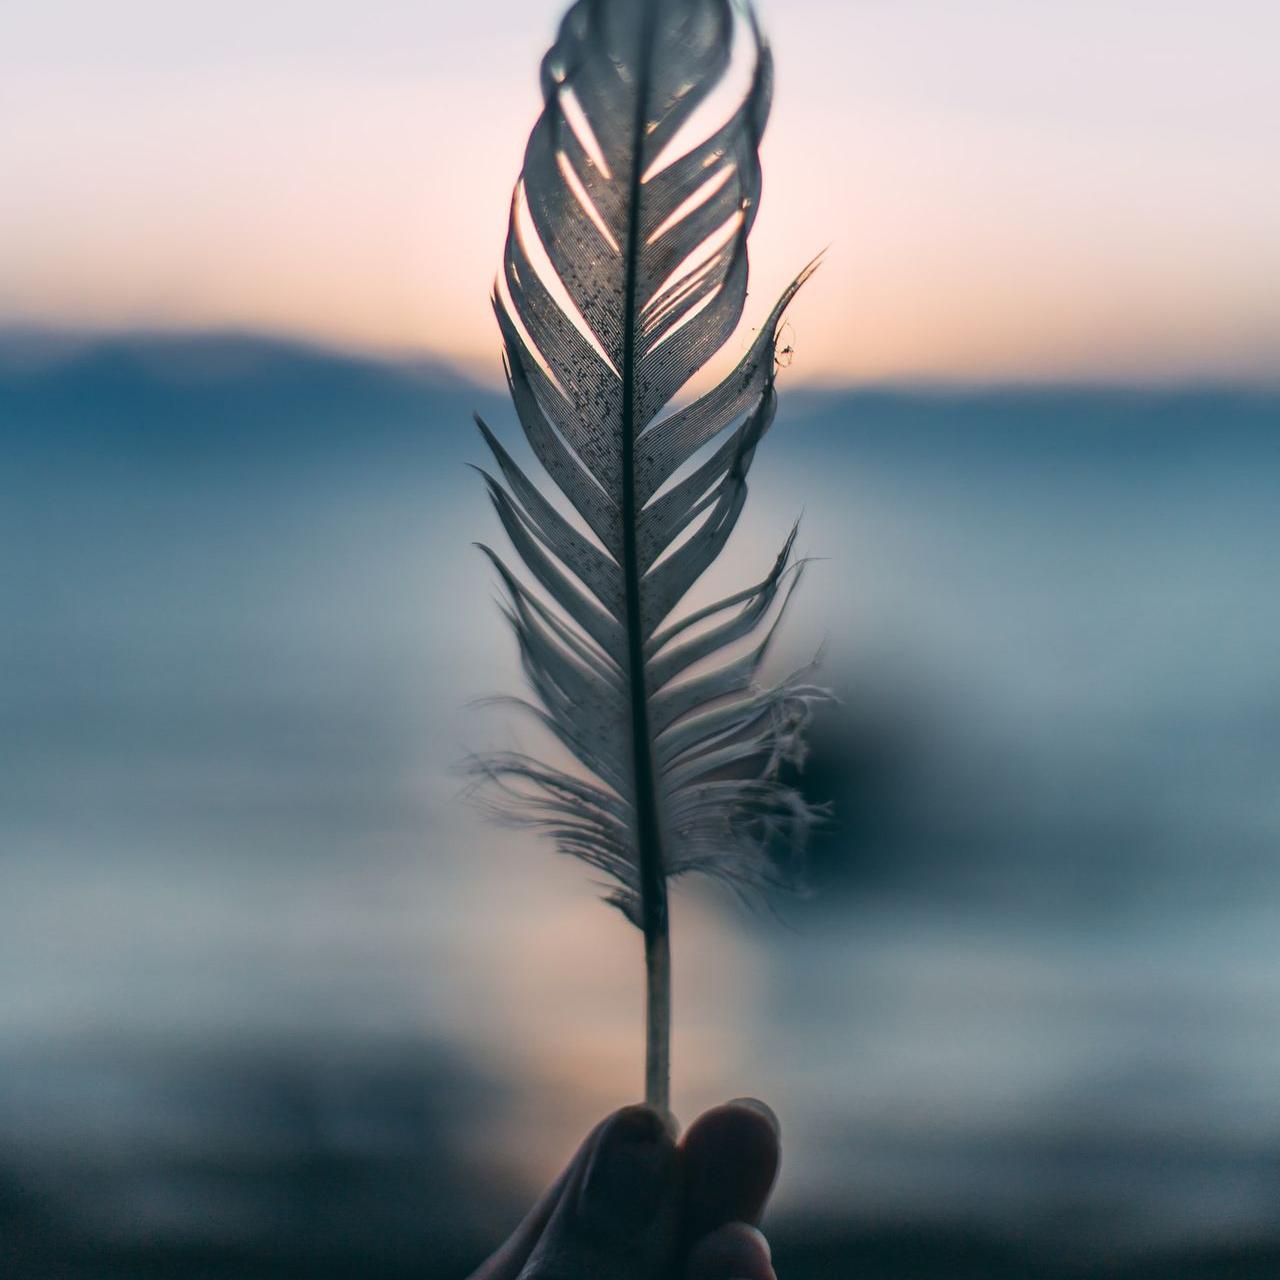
[(683, 768)]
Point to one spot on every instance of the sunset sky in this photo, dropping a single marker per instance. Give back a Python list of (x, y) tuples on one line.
[(1082, 190)]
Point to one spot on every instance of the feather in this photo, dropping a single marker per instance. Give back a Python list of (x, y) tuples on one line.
[(645, 277)]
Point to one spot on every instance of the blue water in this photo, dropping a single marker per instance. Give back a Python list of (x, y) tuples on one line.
[(1038, 984)]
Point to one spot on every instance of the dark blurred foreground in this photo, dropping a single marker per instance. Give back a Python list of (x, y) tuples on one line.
[(346, 1165)]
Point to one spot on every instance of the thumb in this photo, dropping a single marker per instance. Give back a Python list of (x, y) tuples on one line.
[(619, 1215)]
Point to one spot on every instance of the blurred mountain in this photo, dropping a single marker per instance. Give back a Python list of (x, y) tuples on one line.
[(177, 396), (1013, 423), (181, 394)]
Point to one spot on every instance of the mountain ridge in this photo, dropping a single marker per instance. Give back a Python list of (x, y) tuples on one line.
[(210, 389)]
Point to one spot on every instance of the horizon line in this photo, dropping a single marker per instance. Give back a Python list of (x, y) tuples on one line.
[(55, 344)]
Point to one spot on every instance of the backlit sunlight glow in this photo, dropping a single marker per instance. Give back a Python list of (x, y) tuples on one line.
[(1070, 192)]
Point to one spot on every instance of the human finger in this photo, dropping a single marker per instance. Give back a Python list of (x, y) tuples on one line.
[(618, 1215), (731, 1158), (736, 1251)]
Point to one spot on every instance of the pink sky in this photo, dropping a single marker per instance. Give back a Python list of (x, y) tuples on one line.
[(1058, 191)]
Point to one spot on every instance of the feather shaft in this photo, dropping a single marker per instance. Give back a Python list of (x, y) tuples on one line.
[(653, 880)]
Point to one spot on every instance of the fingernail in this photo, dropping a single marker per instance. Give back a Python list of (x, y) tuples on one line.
[(761, 1108), (629, 1173)]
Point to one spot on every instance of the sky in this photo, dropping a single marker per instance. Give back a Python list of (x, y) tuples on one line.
[(1054, 191)]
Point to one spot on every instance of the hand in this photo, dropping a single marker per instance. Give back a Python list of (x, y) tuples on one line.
[(635, 1205)]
